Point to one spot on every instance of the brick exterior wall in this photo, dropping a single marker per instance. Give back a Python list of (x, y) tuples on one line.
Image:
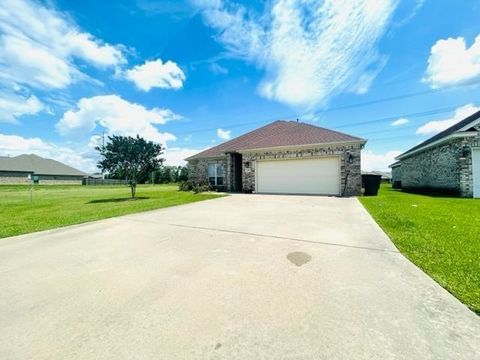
[(351, 180), (198, 170), (14, 178), (446, 167), (7, 177), (396, 173)]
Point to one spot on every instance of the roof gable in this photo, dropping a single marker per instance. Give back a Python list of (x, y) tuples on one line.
[(462, 125), (280, 133), (37, 165)]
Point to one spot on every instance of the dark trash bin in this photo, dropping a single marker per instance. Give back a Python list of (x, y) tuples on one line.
[(371, 184)]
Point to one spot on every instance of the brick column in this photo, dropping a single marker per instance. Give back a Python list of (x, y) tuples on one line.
[(466, 171)]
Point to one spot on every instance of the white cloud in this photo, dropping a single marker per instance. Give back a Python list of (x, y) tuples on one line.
[(13, 145), (39, 46), (413, 12), (310, 50), (218, 69), (224, 134), (378, 161), (177, 156), (452, 63), (118, 116), (13, 106), (401, 121), (156, 74), (95, 140), (434, 127)]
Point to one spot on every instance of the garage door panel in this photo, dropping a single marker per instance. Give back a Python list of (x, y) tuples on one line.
[(299, 176)]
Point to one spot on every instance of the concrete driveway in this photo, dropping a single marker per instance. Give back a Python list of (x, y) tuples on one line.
[(241, 277)]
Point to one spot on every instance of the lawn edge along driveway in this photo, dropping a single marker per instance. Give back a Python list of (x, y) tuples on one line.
[(438, 234), (51, 206)]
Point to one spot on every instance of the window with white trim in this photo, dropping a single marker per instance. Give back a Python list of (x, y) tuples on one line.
[(215, 174)]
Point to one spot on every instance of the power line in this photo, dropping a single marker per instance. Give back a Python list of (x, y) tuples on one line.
[(389, 139), (410, 115), (360, 123), (389, 130), (345, 107), (382, 139)]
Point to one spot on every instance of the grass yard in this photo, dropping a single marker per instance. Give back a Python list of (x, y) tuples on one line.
[(441, 235), (54, 206)]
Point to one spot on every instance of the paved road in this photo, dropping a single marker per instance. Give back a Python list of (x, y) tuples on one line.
[(241, 277)]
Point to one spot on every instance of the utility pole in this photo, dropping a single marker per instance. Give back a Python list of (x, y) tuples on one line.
[(103, 148)]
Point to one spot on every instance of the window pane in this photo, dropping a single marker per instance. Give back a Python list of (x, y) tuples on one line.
[(219, 170), (211, 181), (211, 170), (219, 181)]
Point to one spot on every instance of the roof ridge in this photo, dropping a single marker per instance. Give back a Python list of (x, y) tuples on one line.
[(330, 130), (236, 138), (279, 133)]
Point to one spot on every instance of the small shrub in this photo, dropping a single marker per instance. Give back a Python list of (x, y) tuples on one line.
[(201, 186), (185, 186), (195, 186)]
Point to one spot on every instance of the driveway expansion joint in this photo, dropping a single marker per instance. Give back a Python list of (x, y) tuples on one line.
[(286, 238)]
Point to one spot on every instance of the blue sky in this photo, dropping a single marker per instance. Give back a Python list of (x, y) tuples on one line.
[(194, 73)]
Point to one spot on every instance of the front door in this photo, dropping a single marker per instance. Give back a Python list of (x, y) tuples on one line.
[(237, 172)]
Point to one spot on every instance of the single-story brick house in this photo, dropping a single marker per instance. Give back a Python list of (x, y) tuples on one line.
[(447, 162), (287, 157), (28, 169)]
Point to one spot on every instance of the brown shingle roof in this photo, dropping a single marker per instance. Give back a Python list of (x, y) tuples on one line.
[(277, 134)]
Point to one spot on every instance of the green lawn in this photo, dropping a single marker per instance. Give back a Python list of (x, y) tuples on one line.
[(441, 235), (53, 206)]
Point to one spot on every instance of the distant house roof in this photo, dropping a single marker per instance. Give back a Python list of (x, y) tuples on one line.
[(280, 133), (463, 125), (37, 165), (386, 175)]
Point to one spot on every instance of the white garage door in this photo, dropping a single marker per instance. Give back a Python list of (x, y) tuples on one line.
[(299, 176), (476, 172)]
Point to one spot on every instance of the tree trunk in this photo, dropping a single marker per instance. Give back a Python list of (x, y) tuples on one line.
[(133, 189)]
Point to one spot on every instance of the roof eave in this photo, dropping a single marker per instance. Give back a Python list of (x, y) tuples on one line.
[(303, 146), (197, 157), (455, 135), (56, 174)]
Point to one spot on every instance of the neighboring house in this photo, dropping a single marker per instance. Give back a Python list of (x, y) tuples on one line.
[(447, 162), (396, 175), (286, 157), (27, 169), (385, 175)]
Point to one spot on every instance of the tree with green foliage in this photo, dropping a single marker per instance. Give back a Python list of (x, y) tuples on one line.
[(182, 174), (168, 174), (134, 158)]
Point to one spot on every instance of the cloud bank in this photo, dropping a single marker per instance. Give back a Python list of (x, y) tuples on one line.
[(453, 63), (117, 116), (39, 46), (434, 127), (155, 74), (310, 50)]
